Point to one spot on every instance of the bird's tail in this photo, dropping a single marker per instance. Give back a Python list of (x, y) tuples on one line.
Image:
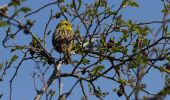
[(67, 58)]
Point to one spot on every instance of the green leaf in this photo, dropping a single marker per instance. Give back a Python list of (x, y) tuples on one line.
[(164, 11), (119, 93), (98, 69), (133, 4), (72, 5), (79, 4), (164, 70), (125, 3), (100, 3), (85, 61), (132, 65), (146, 30), (57, 15), (90, 88), (122, 81), (25, 9), (85, 44), (167, 34), (1, 65), (130, 3), (3, 24), (124, 50), (53, 93), (139, 59), (60, 1), (102, 40), (77, 32), (6, 63), (17, 48), (14, 58), (115, 12), (130, 24), (15, 3), (63, 9)]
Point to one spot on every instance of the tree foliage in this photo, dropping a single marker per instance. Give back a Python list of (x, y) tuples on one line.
[(108, 48)]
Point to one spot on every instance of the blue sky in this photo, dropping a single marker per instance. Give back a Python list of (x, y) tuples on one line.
[(149, 10)]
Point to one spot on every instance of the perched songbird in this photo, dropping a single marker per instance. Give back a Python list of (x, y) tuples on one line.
[(63, 40)]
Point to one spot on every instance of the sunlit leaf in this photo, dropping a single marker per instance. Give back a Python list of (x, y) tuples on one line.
[(14, 58), (3, 24), (122, 81), (100, 3), (125, 3), (98, 69), (63, 9), (165, 91), (90, 88), (164, 70), (77, 32), (17, 48), (133, 4), (102, 40), (1, 65), (57, 15), (16, 2), (25, 9), (85, 61)]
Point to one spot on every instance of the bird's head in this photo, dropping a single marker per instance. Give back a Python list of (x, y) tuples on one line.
[(65, 24)]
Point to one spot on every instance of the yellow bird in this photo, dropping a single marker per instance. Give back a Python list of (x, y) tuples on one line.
[(63, 40)]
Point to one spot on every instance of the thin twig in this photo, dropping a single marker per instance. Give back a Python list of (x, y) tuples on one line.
[(16, 71), (40, 9)]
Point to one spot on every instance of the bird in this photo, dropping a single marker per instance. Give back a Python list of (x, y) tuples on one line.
[(63, 40)]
